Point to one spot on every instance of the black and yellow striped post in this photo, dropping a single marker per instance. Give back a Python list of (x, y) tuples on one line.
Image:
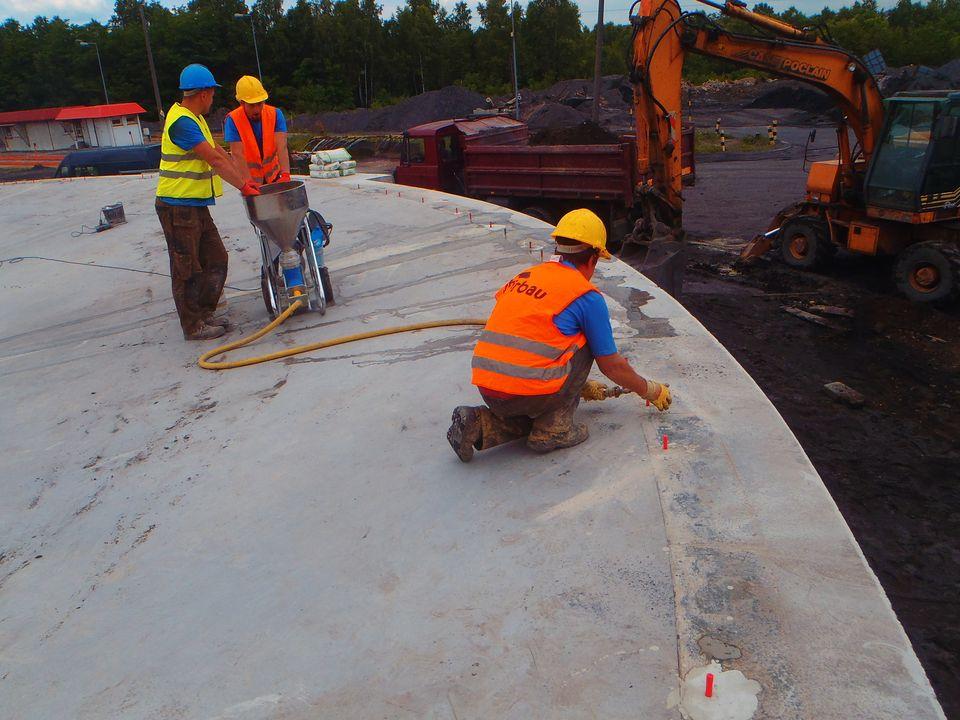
[(770, 134), (718, 126), (723, 141), (775, 122)]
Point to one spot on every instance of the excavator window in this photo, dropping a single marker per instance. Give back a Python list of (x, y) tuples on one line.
[(943, 173), (899, 162)]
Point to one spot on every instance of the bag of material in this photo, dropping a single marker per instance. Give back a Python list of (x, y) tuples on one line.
[(331, 166), (324, 174), (330, 156), (348, 164), (347, 171)]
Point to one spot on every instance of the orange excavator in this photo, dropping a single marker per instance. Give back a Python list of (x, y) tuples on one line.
[(894, 190)]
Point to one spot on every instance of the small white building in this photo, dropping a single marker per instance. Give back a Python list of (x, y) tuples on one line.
[(73, 127)]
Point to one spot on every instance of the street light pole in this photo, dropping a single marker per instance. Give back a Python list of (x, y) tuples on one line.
[(103, 78), (596, 65), (253, 31), (153, 70), (513, 39)]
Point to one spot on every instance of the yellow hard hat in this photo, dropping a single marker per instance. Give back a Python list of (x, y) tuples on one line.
[(250, 90), (584, 227)]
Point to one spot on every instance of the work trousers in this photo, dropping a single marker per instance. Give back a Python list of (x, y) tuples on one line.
[(198, 261), (540, 418)]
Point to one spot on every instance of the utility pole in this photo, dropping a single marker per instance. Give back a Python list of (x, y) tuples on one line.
[(153, 70), (513, 40), (596, 65)]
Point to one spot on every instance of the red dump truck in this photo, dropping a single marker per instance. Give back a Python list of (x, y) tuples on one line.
[(490, 158)]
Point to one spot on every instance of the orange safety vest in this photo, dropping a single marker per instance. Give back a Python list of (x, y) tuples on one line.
[(265, 168), (521, 351)]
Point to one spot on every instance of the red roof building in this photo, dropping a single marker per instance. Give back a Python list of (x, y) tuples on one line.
[(75, 126)]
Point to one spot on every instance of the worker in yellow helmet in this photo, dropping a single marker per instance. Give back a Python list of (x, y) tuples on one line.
[(533, 358), (191, 168), (257, 132)]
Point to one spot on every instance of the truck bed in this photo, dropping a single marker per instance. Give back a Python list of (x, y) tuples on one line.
[(594, 172)]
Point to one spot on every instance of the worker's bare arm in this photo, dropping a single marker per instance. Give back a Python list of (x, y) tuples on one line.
[(239, 159), (282, 153), (221, 163), (617, 368)]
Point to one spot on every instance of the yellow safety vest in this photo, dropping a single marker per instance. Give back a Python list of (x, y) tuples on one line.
[(182, 173)]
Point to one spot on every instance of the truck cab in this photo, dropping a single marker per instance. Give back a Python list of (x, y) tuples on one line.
[(431, 155)]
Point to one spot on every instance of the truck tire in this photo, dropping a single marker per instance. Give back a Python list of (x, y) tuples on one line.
[(805, 244), (540, 213), (929, 272)]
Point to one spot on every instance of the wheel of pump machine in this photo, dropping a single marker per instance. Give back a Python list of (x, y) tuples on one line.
[(805, 244), (267, 289), (929, 272)]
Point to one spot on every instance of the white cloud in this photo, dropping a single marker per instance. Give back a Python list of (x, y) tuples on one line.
[(79, 11)]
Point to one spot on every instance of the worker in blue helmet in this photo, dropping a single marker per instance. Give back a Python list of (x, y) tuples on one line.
[(191, 168)]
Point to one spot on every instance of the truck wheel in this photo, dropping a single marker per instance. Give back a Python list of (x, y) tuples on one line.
[(929, 272), (805, 244), (540, 213)]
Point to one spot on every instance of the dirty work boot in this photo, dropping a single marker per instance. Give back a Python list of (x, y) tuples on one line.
[(205, 332), (220, 320), (544, 441), (464, 432)]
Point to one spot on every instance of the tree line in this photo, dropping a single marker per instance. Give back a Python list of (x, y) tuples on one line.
[(338, 54)]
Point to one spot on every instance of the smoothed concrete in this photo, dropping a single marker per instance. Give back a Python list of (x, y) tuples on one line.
[(297, 540)]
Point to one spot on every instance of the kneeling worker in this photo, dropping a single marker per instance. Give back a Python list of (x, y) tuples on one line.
[(257, 132), (536, 351)]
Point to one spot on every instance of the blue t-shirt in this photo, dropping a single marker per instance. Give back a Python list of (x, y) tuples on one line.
[(186, 135), (588, 314), (231, 134)]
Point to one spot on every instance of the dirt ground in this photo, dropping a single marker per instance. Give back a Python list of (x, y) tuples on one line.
[(892, 466)]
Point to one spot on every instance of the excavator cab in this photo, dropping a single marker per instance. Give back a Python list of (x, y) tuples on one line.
[(916, 165)]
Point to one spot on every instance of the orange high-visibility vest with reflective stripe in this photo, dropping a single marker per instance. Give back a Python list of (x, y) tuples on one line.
[(265, 167), (521, 351)]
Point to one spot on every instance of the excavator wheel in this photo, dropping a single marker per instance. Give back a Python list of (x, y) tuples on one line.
[(805, 244), (929, 272)]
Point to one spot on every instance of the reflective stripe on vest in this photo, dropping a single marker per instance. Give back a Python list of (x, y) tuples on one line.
[(183, 174), (265, 168), (521, 351)]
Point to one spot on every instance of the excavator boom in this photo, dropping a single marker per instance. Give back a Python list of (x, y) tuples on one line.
[(663, 35)]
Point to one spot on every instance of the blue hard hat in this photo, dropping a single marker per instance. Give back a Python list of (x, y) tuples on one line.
[(197, 77)]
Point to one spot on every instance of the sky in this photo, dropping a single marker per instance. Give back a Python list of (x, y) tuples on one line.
[(81, 11)]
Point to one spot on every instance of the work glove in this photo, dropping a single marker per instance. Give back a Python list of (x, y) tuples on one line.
[(658, 395), (283, 177), (594, 390), (250, 188)]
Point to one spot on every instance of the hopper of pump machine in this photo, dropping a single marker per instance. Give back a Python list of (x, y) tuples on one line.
[(278, 211)]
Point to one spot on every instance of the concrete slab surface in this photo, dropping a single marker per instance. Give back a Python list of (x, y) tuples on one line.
[(297, 540)]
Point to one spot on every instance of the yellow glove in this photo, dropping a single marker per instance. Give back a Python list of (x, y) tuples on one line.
[(658, 395), (594, 390)]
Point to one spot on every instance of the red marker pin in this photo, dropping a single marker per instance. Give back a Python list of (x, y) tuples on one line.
[(648, 403), (666, 442), (491, 226), (421, 200), (458, 210), (470, 217), (708, 692)]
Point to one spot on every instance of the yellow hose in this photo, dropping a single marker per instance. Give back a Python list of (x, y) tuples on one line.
[(206, 364)]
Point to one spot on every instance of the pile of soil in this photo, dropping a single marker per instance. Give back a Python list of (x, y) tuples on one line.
[(551, 115), (586, 133), (788, 94), (450, 102), (920, 77)]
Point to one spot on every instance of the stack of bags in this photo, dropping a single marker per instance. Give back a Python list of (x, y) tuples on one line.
[(332, 163)]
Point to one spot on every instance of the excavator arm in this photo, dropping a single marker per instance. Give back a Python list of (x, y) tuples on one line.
[(662, 37)]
